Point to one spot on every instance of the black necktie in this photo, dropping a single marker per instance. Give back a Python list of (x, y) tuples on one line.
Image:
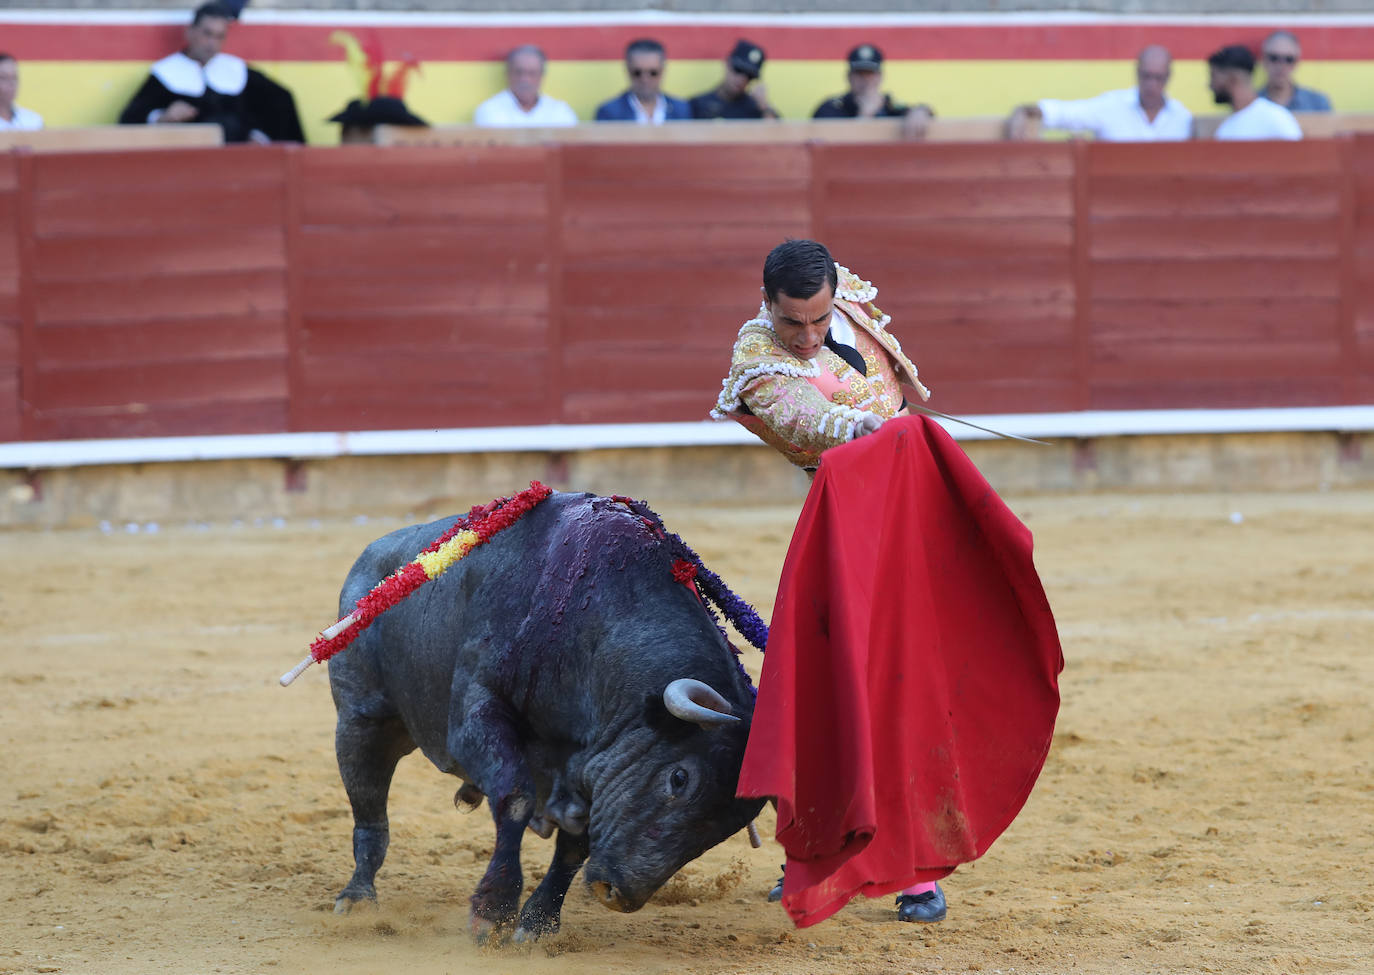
[(846, 352)]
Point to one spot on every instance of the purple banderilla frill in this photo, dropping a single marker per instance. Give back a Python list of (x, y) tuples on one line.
[(712, 589)]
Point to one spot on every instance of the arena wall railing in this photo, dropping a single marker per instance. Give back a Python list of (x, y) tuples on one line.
[(374, 299)]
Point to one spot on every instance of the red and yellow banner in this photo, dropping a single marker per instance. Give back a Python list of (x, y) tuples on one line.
[(81, 70)]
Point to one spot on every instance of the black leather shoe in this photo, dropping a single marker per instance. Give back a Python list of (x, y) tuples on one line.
[(926, 907), (775, 894)]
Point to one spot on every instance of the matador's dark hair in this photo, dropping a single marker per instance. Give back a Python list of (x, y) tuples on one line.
[(799, 269)]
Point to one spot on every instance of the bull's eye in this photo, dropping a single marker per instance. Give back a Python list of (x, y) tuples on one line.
[(677, 782)]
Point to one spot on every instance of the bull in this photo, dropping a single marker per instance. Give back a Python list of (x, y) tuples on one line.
[(563, 674)]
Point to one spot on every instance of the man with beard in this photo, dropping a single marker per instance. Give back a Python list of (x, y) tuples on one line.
[(1253, 117), (200, 83), (740, 94)]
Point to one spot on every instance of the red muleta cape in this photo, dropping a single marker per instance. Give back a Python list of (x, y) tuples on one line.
[(910, 687)]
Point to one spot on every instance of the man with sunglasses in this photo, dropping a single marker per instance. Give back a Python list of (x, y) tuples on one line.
[(1281, 53), (644, 103)]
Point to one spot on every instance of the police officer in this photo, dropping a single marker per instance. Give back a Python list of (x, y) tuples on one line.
[(866, 98), (740, 94)]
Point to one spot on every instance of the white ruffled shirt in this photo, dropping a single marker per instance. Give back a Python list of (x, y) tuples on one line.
[(182, 75)]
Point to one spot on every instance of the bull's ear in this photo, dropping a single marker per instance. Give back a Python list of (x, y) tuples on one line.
[(698, 702)]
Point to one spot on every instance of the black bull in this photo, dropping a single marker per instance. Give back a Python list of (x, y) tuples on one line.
[(563, 673)]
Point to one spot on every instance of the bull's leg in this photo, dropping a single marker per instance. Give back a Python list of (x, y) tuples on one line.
[(487, 745), (544, 908), (368, 750)]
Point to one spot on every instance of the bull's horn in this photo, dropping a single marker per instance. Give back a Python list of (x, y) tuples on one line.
[(698, 702)]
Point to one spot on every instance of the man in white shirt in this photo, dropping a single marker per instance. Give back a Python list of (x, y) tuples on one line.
[(11, 115), (521, 102), (1141, 114), (1232, 70)]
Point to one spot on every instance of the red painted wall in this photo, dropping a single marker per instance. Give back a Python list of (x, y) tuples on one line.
[(251, 289)]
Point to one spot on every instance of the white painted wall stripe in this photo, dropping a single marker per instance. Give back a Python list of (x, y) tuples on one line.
[(384, 18), (602, 436)]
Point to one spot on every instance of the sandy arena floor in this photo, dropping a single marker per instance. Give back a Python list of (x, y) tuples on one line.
[(1208, 806)]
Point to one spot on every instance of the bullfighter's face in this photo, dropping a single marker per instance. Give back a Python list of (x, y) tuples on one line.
[(801, 323)]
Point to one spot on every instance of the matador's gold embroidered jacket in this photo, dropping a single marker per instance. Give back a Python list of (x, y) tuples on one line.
[(801, 408)]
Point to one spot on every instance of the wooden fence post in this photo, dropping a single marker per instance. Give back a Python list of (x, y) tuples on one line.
[(553, 168), (26, 232), (1082, 276)]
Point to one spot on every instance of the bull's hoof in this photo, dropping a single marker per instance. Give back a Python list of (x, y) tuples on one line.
[(533, 927), (345, 902), (483, 930)]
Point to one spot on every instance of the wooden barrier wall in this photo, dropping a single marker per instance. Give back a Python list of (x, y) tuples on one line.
[(250, 289)]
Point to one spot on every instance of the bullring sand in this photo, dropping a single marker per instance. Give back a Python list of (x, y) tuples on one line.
[(1208, 805)]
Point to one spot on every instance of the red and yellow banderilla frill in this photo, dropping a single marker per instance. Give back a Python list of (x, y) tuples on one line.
[(466, 534)]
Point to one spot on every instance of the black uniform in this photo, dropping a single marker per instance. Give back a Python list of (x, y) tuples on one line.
[(845, 106), (711, 105), (229, 93)]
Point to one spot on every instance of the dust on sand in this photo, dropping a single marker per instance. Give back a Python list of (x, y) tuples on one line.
[(1208, 805)]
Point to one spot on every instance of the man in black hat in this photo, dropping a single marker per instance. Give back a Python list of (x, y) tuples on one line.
[(740, 94), (360, 118), (866, 98)]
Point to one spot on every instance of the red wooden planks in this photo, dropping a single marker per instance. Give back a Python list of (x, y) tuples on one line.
[(1309, 157), (479, 285), (936, 162)]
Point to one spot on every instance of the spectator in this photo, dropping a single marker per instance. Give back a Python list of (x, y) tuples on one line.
[(13, 116), (200, 83), (1140, 114), (1281, 54), (360, 118), (644, 102), (740, 94), (1232, 70), (866, 98), (521, 102)]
